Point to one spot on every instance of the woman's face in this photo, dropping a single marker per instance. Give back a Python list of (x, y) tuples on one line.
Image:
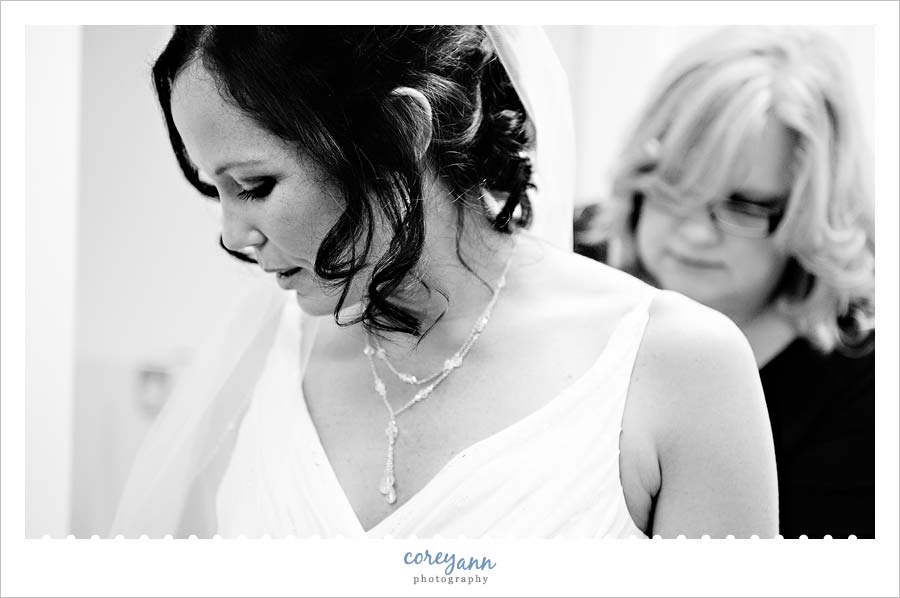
[(272, 201), (694, 256)]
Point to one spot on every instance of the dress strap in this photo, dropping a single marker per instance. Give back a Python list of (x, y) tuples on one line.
[(644, 304), (628, 339)]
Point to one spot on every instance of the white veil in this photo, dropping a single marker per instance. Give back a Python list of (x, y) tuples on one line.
[(172, 485), (543, 88)]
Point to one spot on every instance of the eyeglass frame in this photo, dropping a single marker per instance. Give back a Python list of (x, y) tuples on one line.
[(772, 214)]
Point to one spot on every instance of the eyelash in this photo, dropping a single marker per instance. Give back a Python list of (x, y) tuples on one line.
[(748, 207), (259, 192)]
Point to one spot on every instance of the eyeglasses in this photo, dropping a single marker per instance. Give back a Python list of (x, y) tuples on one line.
[(737, 215)]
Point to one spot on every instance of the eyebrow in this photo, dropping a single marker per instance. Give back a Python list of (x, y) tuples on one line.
[(230, 165)]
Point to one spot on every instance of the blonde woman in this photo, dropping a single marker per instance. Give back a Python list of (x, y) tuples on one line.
[(745, 185)]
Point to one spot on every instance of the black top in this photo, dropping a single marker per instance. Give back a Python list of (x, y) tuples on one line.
[(822, 409)]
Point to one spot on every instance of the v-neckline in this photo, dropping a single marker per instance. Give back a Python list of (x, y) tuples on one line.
[(479, 445), (307, 342)]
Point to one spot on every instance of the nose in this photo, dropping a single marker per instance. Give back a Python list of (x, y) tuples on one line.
[(238, 232), (699, 228)]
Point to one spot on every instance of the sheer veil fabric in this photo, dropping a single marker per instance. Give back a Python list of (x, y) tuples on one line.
[(171, 489), (543, 88)]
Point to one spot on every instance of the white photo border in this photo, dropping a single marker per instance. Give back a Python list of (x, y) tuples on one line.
[(343, 567)]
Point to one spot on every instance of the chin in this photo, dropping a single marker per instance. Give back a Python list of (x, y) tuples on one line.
[(706, 296), (317, 305)]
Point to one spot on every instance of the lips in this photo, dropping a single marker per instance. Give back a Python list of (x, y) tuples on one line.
[(289, 279), (695, 262), (287, 273)]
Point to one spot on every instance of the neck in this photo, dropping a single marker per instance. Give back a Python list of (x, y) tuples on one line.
[(768, 332), (461, 275)]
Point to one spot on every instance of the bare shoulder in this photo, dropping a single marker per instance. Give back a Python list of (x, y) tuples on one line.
[(683, 333), (696, 362), (696, 399)]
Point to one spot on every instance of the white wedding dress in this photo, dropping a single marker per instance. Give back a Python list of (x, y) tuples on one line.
[(554, 473), (234, 451)]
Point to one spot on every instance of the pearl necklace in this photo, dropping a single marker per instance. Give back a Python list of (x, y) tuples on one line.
[(392, 431)]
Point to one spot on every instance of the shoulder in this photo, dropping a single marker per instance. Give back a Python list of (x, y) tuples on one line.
[(681, 331), (695, 373), (696, 404), (696, 364), (696, 386)]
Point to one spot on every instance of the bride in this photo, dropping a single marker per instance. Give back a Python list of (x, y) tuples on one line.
[(432, 368)]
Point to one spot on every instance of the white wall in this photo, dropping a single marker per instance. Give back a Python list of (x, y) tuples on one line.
[(52, 57)]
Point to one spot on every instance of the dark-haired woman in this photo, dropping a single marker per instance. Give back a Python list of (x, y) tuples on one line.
[(439, 370)]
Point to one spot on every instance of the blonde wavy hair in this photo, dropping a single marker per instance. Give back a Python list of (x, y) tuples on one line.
[(722, 91)]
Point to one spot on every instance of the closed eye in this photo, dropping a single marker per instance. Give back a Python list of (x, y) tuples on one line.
[(258, 192), (749, 208), (769, 205)]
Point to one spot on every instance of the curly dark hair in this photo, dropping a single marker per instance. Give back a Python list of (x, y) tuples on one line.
[(328, 92)]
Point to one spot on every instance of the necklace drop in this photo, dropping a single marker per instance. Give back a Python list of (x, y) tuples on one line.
[(387, 485)]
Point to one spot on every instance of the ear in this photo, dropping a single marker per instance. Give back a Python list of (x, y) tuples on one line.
[(421, 108)]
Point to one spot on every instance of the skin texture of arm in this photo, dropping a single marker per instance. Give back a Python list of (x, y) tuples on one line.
[(696, 394)]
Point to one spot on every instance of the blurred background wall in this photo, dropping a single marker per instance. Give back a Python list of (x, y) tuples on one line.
[(151, 277), (148, 276), (53, 90), (611, 70)]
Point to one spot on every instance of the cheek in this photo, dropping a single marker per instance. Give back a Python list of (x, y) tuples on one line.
[(759, 262), (302, 223)]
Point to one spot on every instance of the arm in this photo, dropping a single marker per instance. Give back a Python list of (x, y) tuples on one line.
[(705, 415)]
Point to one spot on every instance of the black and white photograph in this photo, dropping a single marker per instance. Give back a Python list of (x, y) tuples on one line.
[(430, 304)]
